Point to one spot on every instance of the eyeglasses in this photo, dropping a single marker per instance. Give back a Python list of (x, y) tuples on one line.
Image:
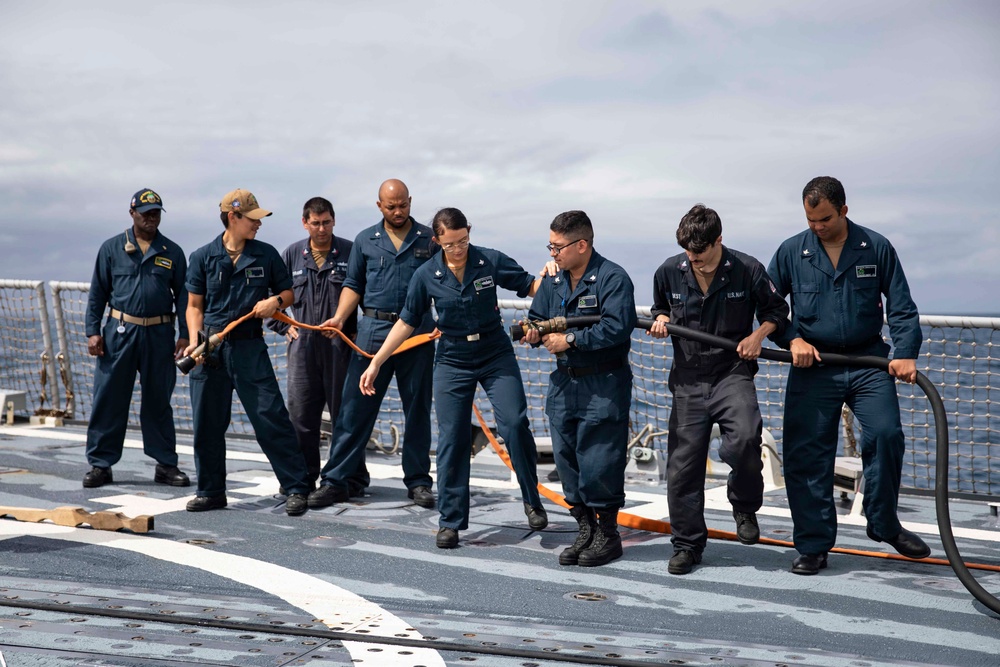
[(316, 224), (457, 245), (559, 248)]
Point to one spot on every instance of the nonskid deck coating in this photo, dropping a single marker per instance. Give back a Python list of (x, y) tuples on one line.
[(370, 568)]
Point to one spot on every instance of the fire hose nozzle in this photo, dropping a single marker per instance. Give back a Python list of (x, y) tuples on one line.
[(185, 364), (555, 325)]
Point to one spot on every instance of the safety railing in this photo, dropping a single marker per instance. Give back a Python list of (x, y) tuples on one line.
[(959, 355)]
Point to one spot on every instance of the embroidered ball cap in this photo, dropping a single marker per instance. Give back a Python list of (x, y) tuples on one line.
[(146, 200), (243, 201)]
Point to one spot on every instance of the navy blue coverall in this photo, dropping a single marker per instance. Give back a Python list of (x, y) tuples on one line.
[(473, 349), (710, 385), (590, 392), (140, 285), (241, 363), (381, 275), (839, 310), (317, 365)]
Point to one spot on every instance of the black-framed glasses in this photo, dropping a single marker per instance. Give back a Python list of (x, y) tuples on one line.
[(316, 224), (559, 248), (457, 245)]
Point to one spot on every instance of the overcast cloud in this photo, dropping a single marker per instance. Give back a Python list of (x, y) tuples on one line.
[(513, 112)]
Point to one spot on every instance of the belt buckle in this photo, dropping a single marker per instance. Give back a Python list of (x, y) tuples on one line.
[(474, 337)]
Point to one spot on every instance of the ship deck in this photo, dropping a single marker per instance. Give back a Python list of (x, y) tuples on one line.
[(362, 583)]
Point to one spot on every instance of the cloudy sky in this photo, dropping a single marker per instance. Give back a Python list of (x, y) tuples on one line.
[(513, 112)]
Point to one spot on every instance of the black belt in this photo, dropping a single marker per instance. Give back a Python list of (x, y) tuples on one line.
[(240, 334), (847, 349), (383, 315), (583, 371)]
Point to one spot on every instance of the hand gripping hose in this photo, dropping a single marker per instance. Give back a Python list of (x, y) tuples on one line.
[(558, 324)]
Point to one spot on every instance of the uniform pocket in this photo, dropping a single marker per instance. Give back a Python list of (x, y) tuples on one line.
[(805, 301)]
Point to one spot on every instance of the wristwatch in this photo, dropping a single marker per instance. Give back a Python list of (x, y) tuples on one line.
[(571, 339), (281, 302)]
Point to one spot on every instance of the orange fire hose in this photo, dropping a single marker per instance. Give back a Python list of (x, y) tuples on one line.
[(656, 526), (408, 344), (187, 363)]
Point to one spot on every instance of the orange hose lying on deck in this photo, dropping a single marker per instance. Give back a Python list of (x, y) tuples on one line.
[(657, 526)]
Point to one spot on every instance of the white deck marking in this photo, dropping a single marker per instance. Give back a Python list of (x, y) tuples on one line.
[(715, 497), (335, 606)]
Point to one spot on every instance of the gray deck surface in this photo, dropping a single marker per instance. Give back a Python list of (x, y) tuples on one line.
[(362, 583)]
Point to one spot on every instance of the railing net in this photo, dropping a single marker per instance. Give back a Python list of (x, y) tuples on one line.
[(958, 355)]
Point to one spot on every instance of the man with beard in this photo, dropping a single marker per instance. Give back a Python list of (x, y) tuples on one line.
[(140, 274), (383, 261)]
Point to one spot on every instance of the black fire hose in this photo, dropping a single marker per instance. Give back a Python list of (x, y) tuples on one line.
[(559, 324)]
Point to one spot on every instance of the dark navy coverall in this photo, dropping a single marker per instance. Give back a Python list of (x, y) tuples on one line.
[(590, 392), (240, 363), (473, 349), (317, 365), (840, 311), (710, 385), (141, 285), (381, 275)]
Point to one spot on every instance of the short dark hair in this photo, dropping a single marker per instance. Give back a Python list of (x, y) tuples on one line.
[(575, 224), (449, 219), (225, 219), (824, 187), (699, 229), (317, 206)]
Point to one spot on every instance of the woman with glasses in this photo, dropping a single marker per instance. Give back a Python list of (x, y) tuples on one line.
[(473, 349)]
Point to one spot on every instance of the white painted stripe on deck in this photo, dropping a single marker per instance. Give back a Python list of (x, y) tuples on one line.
[(715, 497), (335, 606)]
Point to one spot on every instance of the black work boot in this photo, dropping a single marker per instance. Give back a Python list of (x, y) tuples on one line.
[(586, 518), (607, 543)]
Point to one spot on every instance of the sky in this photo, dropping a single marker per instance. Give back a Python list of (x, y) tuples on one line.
[(512, 112)]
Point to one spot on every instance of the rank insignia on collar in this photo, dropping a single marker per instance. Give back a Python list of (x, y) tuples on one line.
[(378, 233), (864, 244), (728, 263), (437, 273), (806, 252), (593, 277), (557, 279), (481, 262)]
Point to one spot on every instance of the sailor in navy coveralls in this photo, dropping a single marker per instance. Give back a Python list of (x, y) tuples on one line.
[(317, 365), (474, 349), (383, 260), (836, 273), (590, 392), (231, 276), (718, 290), (140, 275)]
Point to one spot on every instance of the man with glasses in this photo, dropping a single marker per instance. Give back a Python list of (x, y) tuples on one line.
[(382, 262), (714, 289), (590, 392), (317, 365)]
